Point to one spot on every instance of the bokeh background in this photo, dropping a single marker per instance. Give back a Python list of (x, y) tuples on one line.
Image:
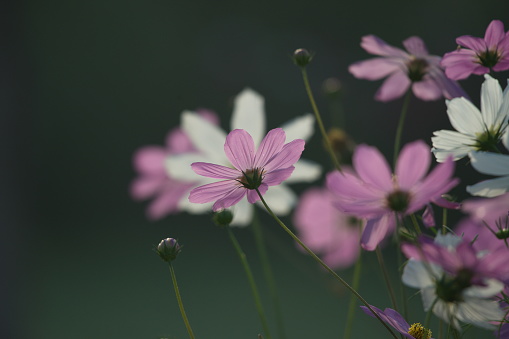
[(86, 83)]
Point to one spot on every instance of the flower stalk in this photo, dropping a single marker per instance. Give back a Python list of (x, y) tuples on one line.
[(179, 300)]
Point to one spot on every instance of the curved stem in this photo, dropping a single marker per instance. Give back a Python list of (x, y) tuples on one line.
[(351, 307), (324, 265), (381, 262), (267, 272), (252, 283), (179, 300), (399, 131), (319, 119)]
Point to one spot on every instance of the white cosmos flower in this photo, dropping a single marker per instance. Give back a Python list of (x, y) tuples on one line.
[(492, 164), (475, 130), (473, 306), (248, 114)]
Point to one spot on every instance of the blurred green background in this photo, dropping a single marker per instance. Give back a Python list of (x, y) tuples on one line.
[(86, 83)]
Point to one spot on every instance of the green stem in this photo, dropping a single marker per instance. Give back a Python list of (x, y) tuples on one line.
[(319, 119), (415, 223), (179, 300), (444, 220), (381, 262), (399, 131), (353, 301), (400, 266), (252, 283), (267, 272), (324, 265)]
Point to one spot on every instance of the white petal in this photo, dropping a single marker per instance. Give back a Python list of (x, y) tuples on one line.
[(242, 213), (505, 138), (490, 163), (448, 240), (192, 208), (465, 117), (300, 128), (305, 171), (491, 99), (249, 114), (503, 111), (447, 312), (492, 287), (453, 143), (415, 274), (479, 312), (179, 166), (206, 137), (490, 188), (280, 199)]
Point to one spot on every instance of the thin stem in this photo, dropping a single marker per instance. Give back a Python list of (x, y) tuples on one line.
[(440, 329), (319, 119), (353, 302), (444, 220), (415, 223), (324, 265), (399, 131), (267, 272), (400, 265), (252, 283), (381, 262), (179, 300)]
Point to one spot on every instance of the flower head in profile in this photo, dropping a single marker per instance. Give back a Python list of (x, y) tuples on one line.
[(253, 170), (155, 181), (479, 56), (208, 139), (414, 68), (396, 320), (493, 164), (455, 287), (374, 193), (327, 231), (475, 130)]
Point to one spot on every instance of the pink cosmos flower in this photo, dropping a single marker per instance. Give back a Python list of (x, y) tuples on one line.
[(252, 170), (416, 68), (372, 192), (153, 179), (323, 228), (396, 320), (479, 55)]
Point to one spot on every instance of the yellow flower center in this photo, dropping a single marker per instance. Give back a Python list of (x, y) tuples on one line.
[(419, 332)]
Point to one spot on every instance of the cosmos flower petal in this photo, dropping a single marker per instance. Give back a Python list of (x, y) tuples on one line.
[(252, 195), (205, 136), (192, 208), (146, 186), (276, 177), (374, 45), (415, 46), (450, 88), (397, 321), (301, 127), (413, 163), (416, 274), (451, 143), (427, 89), (491, 100), (474, 43), (249, 114), (372, 167), (212, 191), (376, 68), (230, 199), (393, 87), (240, 150), (490, 188), (271, 145), (460, 64), (215, 171), (305, 171), (490, 163), (346, 184), (281, 199), (150, 160), (289, 155), (479, 312), (494, 34), (464, 116), (376, 230), (164, 204), (178, 165)]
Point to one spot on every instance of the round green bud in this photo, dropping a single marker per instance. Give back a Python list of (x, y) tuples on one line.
[(223, 218), (302, 57), (168, 249)]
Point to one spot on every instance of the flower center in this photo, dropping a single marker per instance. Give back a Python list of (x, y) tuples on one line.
[(419, 332), (450, 289), (252, 178), (417, 68), (488, 58), (488, 140), (398, 201)]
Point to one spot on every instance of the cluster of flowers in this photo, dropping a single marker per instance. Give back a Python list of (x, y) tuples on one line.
[(462, 273)]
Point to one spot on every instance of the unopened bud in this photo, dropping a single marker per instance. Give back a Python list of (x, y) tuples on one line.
[(302, 57), (223, 218), (168, 249)]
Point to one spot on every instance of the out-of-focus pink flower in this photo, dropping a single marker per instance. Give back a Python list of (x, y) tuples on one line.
[(396, 320), (372, 192), (269, 165), (416, 68), (323, 228), (479, 55), (488, 223), (153, 179)]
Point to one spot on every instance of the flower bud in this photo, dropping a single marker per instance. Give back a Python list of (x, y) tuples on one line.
[(223, 218), (302, 57), (168, 249)]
